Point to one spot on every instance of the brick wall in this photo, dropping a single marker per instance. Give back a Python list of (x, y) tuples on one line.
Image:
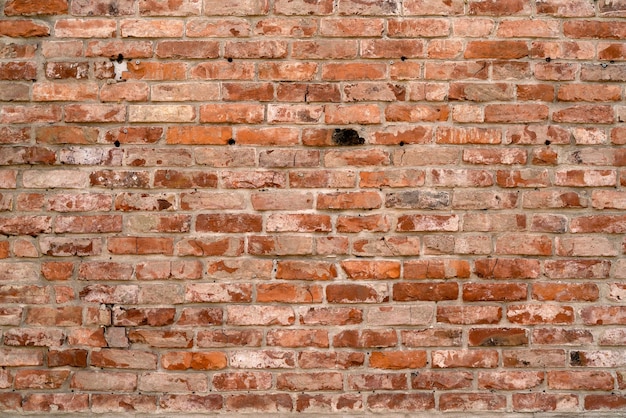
[(323, 206)]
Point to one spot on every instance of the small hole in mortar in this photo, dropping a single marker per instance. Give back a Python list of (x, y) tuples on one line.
[(231, 141), (117, 144)]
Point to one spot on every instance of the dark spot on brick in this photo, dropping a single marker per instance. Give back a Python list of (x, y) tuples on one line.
[(119, 58), (575, 359), (401, 143), (548, 142), (163, 204), (347, 137)]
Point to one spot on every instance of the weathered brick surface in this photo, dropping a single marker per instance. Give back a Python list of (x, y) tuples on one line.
[(327, 207)]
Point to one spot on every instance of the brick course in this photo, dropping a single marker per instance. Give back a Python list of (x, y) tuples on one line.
[(328, 207)]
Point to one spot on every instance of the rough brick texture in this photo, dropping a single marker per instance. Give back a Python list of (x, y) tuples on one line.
[(408, 207)]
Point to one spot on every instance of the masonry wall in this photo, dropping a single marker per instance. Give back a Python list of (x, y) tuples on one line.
[(324, 206)]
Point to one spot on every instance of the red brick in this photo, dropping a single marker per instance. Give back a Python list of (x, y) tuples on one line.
[(416, 113), (272, 403), (260, 315), (472, 402), (310, 381), (524, 244), (34, 337), (23, 28), (191, 403), (223, 71), (497, 337), (559, 336), (102, 8), (596, 114), (395, 360), (242, 381), (178, 92), (227, 338), (428, 223), (355, 224), (520, 113), (365, 339), (544, 402), (400, 402), (231, 7), (18, 71), (465, 358), (62, 316), (604, 402), (496, 49), (137, 28), (469, 314), (255, 49), (46, 91), (123, 359), (562, 292), (56, 402), (67, 357), (502, 268), (85, 28), (24, 294), (323, 403), (109, 294), (432, 337), (540, 314), (231, 113), (222, 246), (123, 403), (289, 27), (28, 7), (580, 380), (425, 291), (266, 359), (283, 245), (534, 29), (368, 270), (594, 29), (186, 49), (511, 70), (287, 71), (608, 315), (218, 292), (59, 270), (178, 8), (172, 382), (229, 223), (434, 7), (473, 292), (441, 380), (289, 293), (347, 27), (40, 379), (534, 358)]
